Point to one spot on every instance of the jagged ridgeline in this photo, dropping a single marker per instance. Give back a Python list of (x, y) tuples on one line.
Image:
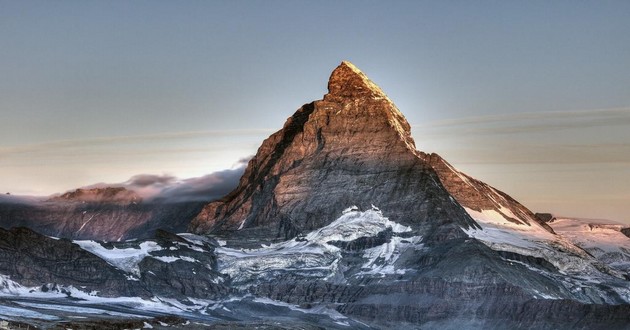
[(353, 147)]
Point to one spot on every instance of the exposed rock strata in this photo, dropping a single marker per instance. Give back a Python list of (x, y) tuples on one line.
[(32, 259), (352, 148), (111, 214)]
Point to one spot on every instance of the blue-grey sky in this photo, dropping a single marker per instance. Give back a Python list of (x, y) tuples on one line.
[(532, 97)]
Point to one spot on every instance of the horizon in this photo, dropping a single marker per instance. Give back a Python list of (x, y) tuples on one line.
[(530, 98)]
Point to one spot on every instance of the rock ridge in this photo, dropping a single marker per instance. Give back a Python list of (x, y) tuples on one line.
[(353, 147)]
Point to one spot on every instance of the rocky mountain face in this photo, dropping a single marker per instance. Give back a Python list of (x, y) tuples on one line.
[(339, 222), (354, 147), (110, 195), (110, 214), (167, 263), (36, 260)]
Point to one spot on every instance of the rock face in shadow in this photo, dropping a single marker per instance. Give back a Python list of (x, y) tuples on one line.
[(32, 259), (545, 217), (173, 268), (111, 214)]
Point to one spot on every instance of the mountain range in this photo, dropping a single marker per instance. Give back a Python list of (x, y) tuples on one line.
[(338, 221)]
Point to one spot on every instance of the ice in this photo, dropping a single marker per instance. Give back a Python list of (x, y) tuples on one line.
[(355, 224), (124, 259), (352, 208), (381, 259), (77, 309), (86, 222), (533, 240), (9, 288), (321, 310), (602, 239), (499, 218), (314, 255), (169, 259), (12, 289), (11, 313)]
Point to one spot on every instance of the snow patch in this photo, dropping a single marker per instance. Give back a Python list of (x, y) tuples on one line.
[(604, 241), (381, 259), (169, 259), (13, 313), (77, 309), (126, 260), (313, 255)]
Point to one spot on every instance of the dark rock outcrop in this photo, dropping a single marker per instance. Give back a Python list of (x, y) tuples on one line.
[(32, 259), (111, 214), (545, 217)]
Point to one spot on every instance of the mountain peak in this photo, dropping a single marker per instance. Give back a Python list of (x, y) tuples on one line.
[(102, 195), (347, 81), (351, 88), (354, 147)]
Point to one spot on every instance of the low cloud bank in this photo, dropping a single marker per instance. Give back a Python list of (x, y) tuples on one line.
[(168, 188)]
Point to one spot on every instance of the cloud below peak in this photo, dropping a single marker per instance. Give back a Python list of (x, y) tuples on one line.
[(170, 189)]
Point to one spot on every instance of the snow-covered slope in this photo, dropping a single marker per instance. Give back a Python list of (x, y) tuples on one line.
[(583, 262), (602, 239), (317, 255)]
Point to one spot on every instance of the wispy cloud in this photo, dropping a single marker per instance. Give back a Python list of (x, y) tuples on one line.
[(125, 140), (532, 122), (169, 188)]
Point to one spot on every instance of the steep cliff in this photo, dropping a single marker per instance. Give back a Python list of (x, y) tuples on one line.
[(353, 147)]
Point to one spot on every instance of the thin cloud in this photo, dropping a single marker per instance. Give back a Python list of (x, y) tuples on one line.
[(623, 112), (516, 153), (168, 188), (205, 188), (104, 141), (145, 180), (534, 122)]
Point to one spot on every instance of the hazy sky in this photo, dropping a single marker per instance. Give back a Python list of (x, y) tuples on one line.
[(532, 97)]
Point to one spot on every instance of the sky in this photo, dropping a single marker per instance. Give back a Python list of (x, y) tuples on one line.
[(532, 97)]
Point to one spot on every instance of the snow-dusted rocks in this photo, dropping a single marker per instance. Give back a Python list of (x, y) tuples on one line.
[(602, 239), (318, 255)]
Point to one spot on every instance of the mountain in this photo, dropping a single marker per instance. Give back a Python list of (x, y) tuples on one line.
[(353, 150), (603, 239), (337, 222), (354, 147), (108, 213), (101, 195)]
